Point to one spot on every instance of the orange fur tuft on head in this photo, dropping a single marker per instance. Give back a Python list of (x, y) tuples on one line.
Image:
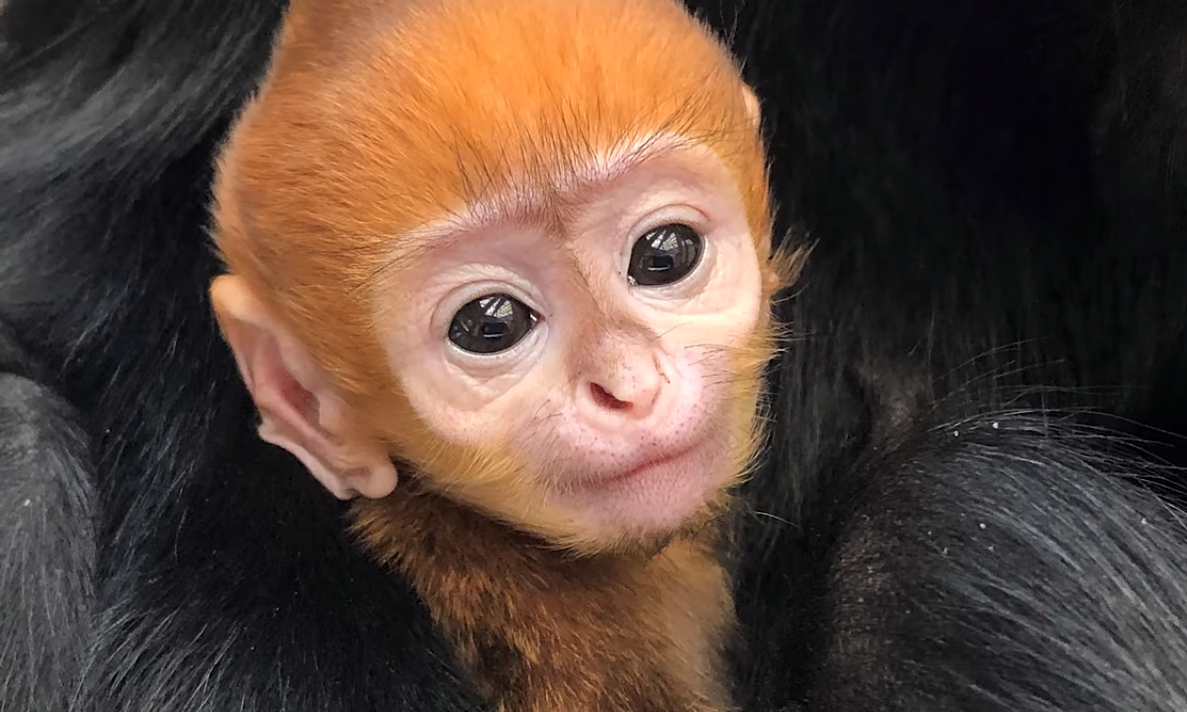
[(394, 128)]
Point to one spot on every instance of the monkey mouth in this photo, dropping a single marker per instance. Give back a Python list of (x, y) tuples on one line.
[(601, 478), (659, 494), (641, 470)]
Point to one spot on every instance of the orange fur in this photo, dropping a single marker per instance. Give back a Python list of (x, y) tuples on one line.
[(405, 113), (541, 632), (520, 98)]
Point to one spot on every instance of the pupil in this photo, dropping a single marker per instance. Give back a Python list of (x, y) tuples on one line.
[(491, 324), (665, 255), (660, 263), (494, 330)]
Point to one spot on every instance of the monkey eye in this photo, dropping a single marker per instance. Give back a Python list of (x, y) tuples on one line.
[(491, 324), (665, 255)]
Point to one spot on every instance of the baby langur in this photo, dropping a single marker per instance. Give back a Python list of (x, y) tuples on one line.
[(501, 269)]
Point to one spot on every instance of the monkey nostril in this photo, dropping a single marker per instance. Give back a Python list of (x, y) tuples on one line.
[(603, 398)]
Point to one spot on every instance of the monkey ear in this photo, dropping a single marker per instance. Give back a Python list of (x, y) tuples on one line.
[(753, 106), (299, 407)]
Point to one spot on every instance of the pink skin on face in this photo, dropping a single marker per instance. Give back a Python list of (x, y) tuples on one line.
[(649, 459), (664, 481), (616, 397)]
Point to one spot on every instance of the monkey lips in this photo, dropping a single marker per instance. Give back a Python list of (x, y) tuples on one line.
[(660, 494)]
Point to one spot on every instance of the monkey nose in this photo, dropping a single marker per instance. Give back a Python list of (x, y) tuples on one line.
[(606, 399), (631, 389)]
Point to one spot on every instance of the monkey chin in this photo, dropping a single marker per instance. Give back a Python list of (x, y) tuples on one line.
[(642, 511)]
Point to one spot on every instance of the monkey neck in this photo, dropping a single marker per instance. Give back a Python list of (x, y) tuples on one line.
[(540, 630)]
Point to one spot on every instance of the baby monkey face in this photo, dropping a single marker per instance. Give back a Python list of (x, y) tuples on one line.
[(520, 246), (592, 348)]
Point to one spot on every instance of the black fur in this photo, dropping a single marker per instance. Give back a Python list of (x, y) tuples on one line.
[(992, 563), (996, 193), (47, 540), (224, 577)]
